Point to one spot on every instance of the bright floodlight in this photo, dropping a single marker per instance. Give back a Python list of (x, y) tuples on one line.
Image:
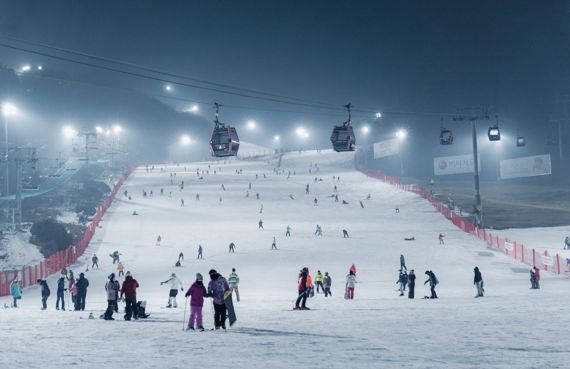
[(69, 132), (117, 129), (185, 140), (25, 68), (194, 108), (99, 129), (9, 109), (401, 134), (251, 125), (40, 67), (168, 88), (364, 129), (302, 132), (276, 138), (378, 115)]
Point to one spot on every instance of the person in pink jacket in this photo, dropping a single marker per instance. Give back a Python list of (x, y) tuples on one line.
[(197, 292)]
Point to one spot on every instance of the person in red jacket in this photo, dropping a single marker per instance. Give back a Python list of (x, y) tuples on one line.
[(129, 291)]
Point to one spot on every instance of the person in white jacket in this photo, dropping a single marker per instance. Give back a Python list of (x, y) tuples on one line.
[(350, 283), (175, 284)]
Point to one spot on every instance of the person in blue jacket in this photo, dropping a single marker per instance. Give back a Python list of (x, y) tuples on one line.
[(15, 291)]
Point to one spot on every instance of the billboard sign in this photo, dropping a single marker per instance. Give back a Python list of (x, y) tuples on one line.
[(457, 164), (528, 166), (386, 148)]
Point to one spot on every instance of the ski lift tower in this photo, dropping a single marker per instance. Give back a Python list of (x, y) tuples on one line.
[(22, 156)]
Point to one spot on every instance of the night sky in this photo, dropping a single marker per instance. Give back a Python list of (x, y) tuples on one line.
[(412, 60)]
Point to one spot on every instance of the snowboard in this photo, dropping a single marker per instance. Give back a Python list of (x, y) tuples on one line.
[(346, 293), (228, 301)]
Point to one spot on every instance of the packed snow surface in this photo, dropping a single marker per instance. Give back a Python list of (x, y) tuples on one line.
[(511, 327)]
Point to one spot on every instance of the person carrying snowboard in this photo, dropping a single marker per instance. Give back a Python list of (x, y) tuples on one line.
[(60, 292), (411, 284), (129, 291), (15, 291), (94, 262), (217, 288), (233, 281), (478, 282), (197, 292), (327, 281), (112, 287), (45, 292), (303, 287), (81, 284), (319, 281), (175, 284), (350, 283), (432, 280)]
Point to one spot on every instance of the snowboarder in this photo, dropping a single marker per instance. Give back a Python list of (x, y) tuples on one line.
[(327, 281), (402, 281), (233, 281), (432, 280), (15, 291), (260, 224), (120, 269), (216, 289), (129, 293), (116, 257), (274, 244), (94, 262), (440, 238), (345, 233), (305, 283), (288, 231), (197, 292), (175, 284), (319, 281), (232, 247), (403, 262), (411, 284), (350, 283), (59, 293), (200, 252), (318, 231), (335, 197), (181, 256), (112, 287), (45, 292), (478, 282), (158, 240), (82, 284)]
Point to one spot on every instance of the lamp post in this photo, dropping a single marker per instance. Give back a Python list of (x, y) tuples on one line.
[(7, 111)]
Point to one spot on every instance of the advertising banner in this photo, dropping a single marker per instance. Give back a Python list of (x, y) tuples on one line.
[(454, 165), (528, 166), (386, 148)]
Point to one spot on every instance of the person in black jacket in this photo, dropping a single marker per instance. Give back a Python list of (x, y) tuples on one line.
[(432, 279), (45, 292), (478, 282), (411, 284), (82, 284), (60, 291)]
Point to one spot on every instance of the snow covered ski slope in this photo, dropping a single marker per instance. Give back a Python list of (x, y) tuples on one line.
[(511, 327)]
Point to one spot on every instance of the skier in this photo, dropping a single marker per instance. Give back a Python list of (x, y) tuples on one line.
[(180, 256), (316, 202), (158, 240), (120, 269), (350, 283), (200, 252), (233, 281), (60, 292), (129, 291), (305, 283), (335, 197), (250, 185), (411, 284), (232, 247), (397, 209), (94, 261), (327, 281), (402, 262), (112, 287), (175, 283), (319, 281), (257, 195), (115, 255), (82, 284), (535, 278), (45, 292), (402, 281), (432, 279), (478, 282), (274, 244), (261, 209), (260, 224), (318, 231), (181, 203), (345, 233), (197, 292), (216, 289), (440, 238), (307, 189), (197, 197), (288, 231), (15, 291), (567, 243)]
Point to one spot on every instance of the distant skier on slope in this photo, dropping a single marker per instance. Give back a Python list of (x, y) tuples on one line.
[(175, 284), (260, 224), (158, 240), (233, 281), (94, 262), (288, 231), (200, 256), (327, 281), (350, 284), (318, 231), (567, 243), (232, 247), (319, 278), (478, 282), (197, 292), (403, 262), (345, 234)]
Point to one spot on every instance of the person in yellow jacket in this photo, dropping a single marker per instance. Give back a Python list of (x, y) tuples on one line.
[(120, 269), (319, 281)]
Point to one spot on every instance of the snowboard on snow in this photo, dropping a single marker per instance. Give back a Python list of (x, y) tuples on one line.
[(228, 301)]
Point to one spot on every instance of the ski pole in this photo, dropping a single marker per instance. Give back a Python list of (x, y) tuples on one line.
[(185, 305)]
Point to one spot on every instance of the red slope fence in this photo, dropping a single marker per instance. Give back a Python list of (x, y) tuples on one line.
[(28, 275), (541, 260)]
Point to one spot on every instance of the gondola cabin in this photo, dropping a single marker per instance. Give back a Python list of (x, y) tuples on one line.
[(343, 139), (224, 142)]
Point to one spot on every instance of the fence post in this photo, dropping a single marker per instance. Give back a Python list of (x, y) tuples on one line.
[(522, 252), (533, 258), (558, 262), (515, 249)]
